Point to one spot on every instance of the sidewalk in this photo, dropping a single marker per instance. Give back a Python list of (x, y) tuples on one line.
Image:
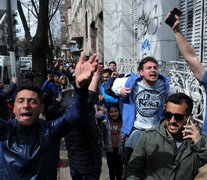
[(64, 173)]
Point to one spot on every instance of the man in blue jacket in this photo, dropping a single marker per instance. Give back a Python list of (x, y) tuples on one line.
[(107, 99), (30, 145), (144, 97)]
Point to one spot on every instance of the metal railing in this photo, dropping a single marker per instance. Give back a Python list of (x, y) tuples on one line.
[(183, 80)]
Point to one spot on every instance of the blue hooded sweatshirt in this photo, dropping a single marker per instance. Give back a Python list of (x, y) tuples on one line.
[(129, 106)]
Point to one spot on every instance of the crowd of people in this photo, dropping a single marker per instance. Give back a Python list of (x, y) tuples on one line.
[(139, 122)]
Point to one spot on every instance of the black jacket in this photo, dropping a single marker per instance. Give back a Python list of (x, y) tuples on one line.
[(4, 113), (84, 152), (31, 153)]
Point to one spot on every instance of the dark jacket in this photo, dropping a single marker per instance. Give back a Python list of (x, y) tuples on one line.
[(50, 87), (55, 70), (84, 152), (4, 113), (106, 141), (31, 153), (155, 157)]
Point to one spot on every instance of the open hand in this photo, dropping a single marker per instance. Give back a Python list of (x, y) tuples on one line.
[(85, 69)]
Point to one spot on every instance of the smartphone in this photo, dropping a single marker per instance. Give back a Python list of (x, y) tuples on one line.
[(187, 123), (171, 19)]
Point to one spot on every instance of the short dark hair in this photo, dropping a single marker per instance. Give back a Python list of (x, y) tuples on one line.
[(115, 105), (146, 60), (112, 62), (107, 71), (31, 87), (180, 98)]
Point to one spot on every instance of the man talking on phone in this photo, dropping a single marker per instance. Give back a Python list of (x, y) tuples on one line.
[(195, 65), (174, 149), (190, 57)]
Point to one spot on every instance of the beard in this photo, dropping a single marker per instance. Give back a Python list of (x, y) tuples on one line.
[(177, 134)]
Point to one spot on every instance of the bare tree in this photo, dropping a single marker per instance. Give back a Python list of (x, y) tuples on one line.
[(44, 11), (53, 8)]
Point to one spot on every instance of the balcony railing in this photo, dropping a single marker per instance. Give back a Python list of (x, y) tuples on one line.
[(183, 80)]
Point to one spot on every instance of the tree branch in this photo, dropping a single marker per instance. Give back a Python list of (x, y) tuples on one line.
[(24, 22), (35, 8), (57, 7), (27, 7)]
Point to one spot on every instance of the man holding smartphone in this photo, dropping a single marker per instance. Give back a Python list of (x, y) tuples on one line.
[(163, 152), (196, 67), (191, 58)]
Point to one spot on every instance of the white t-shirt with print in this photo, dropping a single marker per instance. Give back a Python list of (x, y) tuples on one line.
[(147, 100)]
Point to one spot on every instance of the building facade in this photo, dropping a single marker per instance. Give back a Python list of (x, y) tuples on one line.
[(126, 31), (135, 29), (86, 26)]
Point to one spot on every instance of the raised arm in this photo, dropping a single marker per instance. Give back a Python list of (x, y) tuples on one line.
[(92, 89), (10, 92), (187, 51), (94, 82), (79, 111)]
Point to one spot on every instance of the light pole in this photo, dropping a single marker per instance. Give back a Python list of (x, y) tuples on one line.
[(11, 39)]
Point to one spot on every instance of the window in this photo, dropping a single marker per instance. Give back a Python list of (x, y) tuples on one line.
[(192, 25)]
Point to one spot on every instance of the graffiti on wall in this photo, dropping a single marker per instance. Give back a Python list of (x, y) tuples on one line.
[(148, 22), (126, 65), (146, 45)]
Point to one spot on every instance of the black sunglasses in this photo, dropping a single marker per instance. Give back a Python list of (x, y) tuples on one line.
[(178, 117)]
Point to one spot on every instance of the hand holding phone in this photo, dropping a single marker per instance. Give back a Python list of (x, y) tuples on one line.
[(192, 131), (171, 19), (187, 123)]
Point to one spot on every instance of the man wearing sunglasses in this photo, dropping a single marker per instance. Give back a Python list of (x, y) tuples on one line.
[(196, 67), (191, 58), (174, 149)]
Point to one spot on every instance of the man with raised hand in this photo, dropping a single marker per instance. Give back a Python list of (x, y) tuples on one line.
[(198, 70), (30, 145), (191, 58)]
